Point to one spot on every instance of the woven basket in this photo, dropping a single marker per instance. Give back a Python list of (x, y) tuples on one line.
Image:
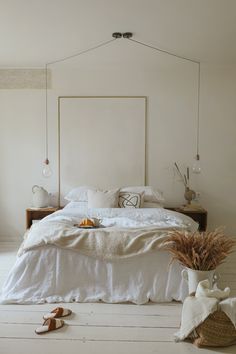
[(216, 331)]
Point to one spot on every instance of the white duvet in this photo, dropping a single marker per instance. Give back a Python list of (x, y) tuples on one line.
[(123, 233), (48, 273), (124, 217)]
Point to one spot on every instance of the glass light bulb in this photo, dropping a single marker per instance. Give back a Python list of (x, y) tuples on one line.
[(47, 172), (197, 165)]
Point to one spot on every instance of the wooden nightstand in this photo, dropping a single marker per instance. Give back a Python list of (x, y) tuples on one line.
[(37, 214), (198, 215)]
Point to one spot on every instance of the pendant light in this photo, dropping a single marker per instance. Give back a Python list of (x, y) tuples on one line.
[(197, 164), (46, 171)]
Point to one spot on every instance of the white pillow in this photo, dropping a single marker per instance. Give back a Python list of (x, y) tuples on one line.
[(130, 200), (103, 199), (150, 195), (76, 205), (79, 194)]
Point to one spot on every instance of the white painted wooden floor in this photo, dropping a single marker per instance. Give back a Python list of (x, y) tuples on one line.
[(97, 328)]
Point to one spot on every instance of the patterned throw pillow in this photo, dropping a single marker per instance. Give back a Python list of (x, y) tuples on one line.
[(130, 200)]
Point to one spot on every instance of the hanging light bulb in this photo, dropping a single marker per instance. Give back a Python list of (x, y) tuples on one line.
[(47, 172), (197, 165)]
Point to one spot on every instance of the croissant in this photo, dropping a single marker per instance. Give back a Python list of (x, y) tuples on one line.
[(87, 222)]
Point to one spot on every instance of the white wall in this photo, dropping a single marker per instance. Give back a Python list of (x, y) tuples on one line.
[(171, 87), (218, 145), (21, 149)]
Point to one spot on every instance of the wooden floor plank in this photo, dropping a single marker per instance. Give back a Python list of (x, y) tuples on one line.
[(106, 333), (81, 319), (29, 346)]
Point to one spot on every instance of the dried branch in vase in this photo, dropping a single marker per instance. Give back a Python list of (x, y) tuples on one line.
[(183, 178), (189, 194)]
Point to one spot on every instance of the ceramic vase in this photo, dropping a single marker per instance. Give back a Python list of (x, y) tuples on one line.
[(193, 277), (189, 195), (40, 197)]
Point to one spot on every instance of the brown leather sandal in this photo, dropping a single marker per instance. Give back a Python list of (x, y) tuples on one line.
[(57, 313), (51, 324)]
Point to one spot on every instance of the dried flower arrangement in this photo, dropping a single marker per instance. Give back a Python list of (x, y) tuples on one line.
[(189, 194), (199, 250)]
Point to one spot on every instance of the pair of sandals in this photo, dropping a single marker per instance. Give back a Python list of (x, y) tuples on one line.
[(52, 320)]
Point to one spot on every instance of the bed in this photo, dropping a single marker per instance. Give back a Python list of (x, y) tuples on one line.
[(49, 270)]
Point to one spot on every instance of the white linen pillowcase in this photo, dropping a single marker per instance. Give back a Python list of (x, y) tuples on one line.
[(76, 205), (130, 200), (150, 194), (84, 205), (79, 194), (103, 199)]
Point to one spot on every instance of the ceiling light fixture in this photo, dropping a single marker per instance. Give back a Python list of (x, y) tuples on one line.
[(117, 35), (127, 35)]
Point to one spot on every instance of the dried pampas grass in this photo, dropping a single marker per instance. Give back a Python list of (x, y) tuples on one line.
[(199, 250)]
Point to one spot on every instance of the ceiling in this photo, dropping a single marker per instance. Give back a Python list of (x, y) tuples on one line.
[(33, 32)]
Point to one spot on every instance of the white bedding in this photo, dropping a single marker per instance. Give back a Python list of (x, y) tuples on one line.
[(124, 217), (52, 274)]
